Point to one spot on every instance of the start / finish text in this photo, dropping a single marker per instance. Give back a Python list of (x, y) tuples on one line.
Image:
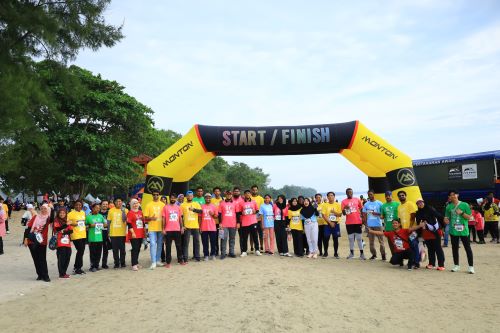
[(282, 136)]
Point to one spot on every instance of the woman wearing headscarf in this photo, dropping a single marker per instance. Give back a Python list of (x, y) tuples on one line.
[(280, 225), (36, 240), (308, 215), (296, 227), (431, 233), (64, 230)]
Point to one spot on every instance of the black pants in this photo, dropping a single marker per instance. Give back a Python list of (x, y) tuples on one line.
[(435, 250), (105, 247), (136, 248), (118, 245), (326, 241), (298, 244), (253, 232), (398, 257), (454, 248), (321, 241), (176, 237), (281, 236), (63, 258), (80, 250), (472, 232), (492, 228), (39, 255), (95, 249), (209, 238), (1, 245), (480, 235)]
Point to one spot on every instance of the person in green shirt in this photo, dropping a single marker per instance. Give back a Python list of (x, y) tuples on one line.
[(95, 222), (389, 213), (457, 217)]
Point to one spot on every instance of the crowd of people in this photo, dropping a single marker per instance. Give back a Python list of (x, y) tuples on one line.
[(413, 230)]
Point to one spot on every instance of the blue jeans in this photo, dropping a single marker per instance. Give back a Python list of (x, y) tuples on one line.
[(155, 245), (446, 234)]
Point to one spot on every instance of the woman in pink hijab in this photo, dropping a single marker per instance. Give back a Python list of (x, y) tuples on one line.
[(38, 226), (3, 217)]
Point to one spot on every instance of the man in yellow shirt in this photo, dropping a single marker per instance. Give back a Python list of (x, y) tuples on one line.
[(117, 224), (259, 200), (76, 218), (331, 211), (190, 211), (153, 217)]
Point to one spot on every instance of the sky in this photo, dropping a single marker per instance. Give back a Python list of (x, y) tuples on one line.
[(424, 75)]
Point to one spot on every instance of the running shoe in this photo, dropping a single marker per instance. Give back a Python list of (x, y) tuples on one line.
[(455, 268)]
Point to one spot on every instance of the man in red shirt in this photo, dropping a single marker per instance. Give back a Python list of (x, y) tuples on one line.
[(400, 240)]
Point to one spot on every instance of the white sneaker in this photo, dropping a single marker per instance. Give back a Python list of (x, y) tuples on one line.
[(160, 264), (243, 254), (471, 270), (257, 253), (153, 266), (455, 268)]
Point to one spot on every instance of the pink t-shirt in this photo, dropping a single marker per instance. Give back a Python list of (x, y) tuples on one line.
[(172, 216), (207, 221), (238, 202), (228, 214), (354, 207), (248, 211)]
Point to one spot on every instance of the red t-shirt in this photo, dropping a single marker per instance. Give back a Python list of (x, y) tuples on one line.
[(172, 217), (400, 239), (135, 219), (228, 214), (207, 221), (353, 207), (248, 211), (63, 240)]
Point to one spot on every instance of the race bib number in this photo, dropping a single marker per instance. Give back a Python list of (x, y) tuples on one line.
[(39, 237), (398, 242), (173, 217), (65, 240), (81, 225), (459, 227), (332, 218), (248, 211), (98, 228), (139, 224)]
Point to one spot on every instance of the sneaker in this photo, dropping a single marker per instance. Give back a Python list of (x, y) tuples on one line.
[(429, 267), (159, 264), (205, 258), (440, 268), (153, 266), (373, 257), (168, 265), (362, 256), (471, 270), (257, 253), (455, 268), (243, 254), (350, 256)]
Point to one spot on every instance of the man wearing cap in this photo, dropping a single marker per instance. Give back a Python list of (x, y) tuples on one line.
[(153, 217), (389, 213), (190, 211), (371, 218), (227, 217)]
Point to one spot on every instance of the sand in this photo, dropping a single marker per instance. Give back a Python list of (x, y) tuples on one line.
[(252, 294)]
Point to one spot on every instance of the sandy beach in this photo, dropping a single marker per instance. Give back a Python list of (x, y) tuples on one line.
[(252, 294)]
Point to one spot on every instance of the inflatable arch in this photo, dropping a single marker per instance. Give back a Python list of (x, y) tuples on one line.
[(387, 167)]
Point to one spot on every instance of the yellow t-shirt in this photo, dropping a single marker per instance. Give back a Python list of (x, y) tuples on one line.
[(79, 229), (116, 227), (404, 213), (190, 218), (295, 222), (154, 209), (258, 200), (327, 210)]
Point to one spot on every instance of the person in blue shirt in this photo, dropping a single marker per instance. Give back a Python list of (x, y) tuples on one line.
[(371, 218)]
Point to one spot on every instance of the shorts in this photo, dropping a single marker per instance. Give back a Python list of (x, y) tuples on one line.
[(353, 228), (335, 231)]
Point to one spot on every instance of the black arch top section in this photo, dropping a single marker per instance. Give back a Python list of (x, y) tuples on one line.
[(279, 140)]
